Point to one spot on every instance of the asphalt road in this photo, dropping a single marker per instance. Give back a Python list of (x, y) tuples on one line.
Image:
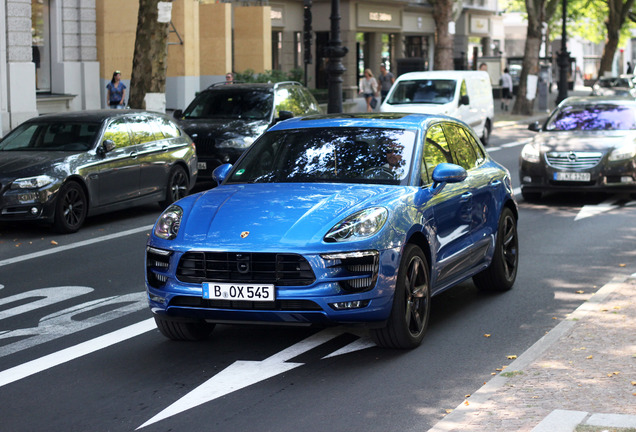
[(79, 353)]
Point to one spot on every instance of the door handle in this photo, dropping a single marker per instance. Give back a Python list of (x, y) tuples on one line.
[(466, 196), (133, 155), (495, 183)]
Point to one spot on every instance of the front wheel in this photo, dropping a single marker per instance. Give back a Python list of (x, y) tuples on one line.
[(177, 186), (71, 208), (502, 272), (184, 330), (411, 303)]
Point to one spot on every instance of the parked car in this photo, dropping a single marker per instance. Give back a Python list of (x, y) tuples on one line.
[(343, 218), (61, 168), (614, 86), (466, 95), (224, 120), (587, 144)]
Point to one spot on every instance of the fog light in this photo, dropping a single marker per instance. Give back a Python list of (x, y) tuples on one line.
[(157, 299), (357, 304), (627, 179), (34, 211), (226, 158), (527, 179)]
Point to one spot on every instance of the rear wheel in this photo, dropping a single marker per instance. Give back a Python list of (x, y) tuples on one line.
[(184, 330), (411, 303), (177, 187), (502, 272), (485, 137), (71, 208)]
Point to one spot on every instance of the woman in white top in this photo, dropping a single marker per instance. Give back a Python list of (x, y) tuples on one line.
[(368, 88)]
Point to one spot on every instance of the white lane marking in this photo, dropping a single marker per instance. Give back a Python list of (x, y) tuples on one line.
[(73, 245), (492, 149), (357, 345), (517, 143), (593, 210), (43, 363), (241, 374), (516, 191)]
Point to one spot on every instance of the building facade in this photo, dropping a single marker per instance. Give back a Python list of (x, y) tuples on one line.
[(58, 55)]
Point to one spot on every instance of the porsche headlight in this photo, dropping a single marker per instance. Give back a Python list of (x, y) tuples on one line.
[(531, 153), (32, 182), (168, 224), (358, 226), (626, 152), (237, 143)]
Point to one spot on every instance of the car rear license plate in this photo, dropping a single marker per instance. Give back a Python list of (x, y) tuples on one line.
[(246, 292), (202, 165), (572, 176)]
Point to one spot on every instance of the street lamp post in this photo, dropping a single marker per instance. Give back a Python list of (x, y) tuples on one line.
[(564, 58), (335, 69)]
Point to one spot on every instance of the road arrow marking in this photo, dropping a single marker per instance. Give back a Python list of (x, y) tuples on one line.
[(241, 374), (357, 345), (594, 210)]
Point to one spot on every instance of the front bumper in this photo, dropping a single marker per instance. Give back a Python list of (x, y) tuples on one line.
[(27, 204)]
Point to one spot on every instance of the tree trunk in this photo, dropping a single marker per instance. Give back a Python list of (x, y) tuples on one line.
[(151, 51), (443, 52), (618, 12), (530, 65)]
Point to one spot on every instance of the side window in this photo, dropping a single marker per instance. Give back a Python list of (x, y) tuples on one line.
[(312, 103), (141, 128), (118, 132), (289, 99), (479, 152), (167, 128), (461, 148), (436, 151)]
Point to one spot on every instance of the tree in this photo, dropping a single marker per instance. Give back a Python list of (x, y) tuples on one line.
[(151, 51), (618, 14), (443, 14), (538, 12)]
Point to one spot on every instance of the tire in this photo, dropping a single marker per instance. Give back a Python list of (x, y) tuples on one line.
[(71, 208), (485, 137), (408, 321), (530, 196), (183, 330), (502, 272), (177, 187)]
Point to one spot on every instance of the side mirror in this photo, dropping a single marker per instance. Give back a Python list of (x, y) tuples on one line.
[(177, 114), (284, 115), (447, 173), (535, 126), (464, 100), (221, 172), (107, 146)]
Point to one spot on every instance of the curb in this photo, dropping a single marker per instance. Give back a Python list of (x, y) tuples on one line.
[(460, 415)]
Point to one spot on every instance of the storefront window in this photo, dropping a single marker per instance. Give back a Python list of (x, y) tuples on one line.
[(41, 42)]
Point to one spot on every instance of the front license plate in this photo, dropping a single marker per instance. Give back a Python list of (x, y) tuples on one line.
[(572, 176), (202, 165), (246, 292)]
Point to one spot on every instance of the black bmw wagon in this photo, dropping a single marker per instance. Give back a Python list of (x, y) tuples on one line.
[(61, 168)]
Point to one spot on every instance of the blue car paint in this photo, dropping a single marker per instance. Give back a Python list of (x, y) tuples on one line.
[(455, 227)]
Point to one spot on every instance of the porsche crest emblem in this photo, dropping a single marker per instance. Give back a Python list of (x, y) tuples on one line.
[(245, 234)]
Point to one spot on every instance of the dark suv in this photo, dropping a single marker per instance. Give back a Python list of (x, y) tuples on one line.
[(225, 119)]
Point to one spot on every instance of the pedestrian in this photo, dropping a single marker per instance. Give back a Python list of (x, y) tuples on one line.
[(483, 67), (229, 78), (369, 89), (630, 68), (506, 89), (116, 93), (386, 79)]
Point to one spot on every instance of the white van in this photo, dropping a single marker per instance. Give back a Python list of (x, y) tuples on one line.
[(466, 95)]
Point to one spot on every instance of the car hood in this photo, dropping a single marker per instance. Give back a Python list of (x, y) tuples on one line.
[(15, 164), (583, 141), (215, 128), (261, 216), (420, 108)]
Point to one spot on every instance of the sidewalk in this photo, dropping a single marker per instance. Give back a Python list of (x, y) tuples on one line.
[(582, 374)]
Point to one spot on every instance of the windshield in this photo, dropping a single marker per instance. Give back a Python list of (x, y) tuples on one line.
[(346, 155), (231, 104), (54, 136), (613, 82), (593, 117), (433, 91)]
